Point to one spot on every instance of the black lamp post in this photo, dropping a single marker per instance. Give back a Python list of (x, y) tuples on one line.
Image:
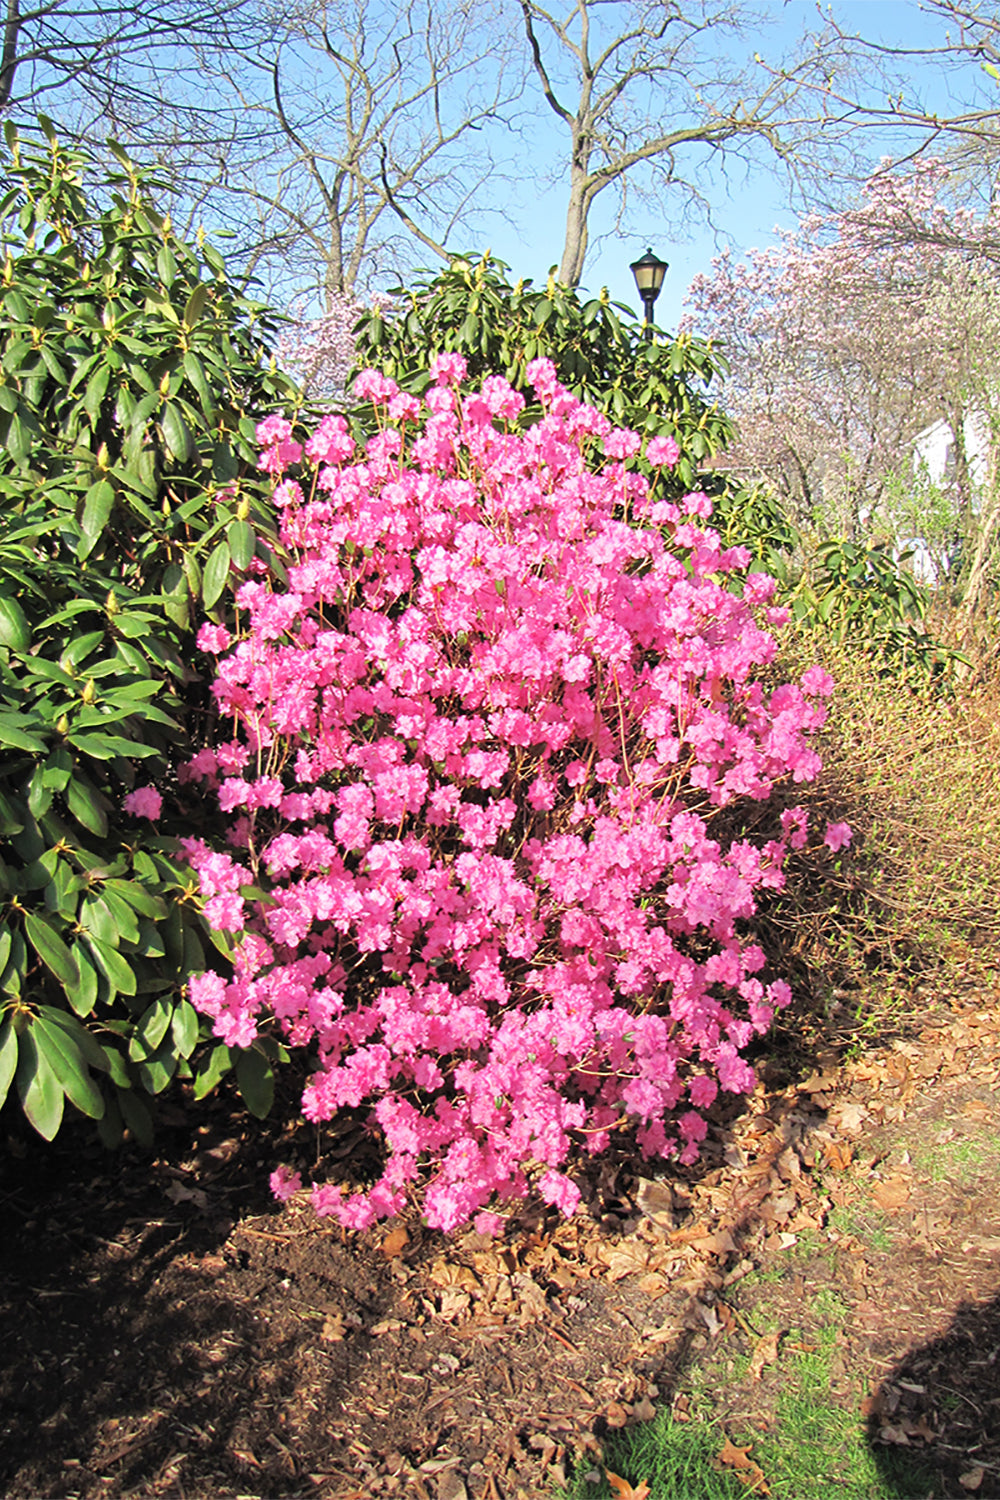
[(649, 272)]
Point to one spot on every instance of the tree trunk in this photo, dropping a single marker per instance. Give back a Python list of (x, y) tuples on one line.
[(983, 556), (575, 246), (8, 64)]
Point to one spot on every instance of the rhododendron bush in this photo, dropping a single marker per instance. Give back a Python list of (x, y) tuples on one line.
[(478, 748)]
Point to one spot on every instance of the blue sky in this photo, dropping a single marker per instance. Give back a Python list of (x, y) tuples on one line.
[(747, 211)]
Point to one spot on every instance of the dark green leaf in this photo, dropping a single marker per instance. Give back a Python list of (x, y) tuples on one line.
[(40, 1091), (151, 1029), (8, 1055), (83, 995), (67, 1062), (215, 575), (51, 949), (242, 544), (136, 1116), (176, 434), (184, 1026), (116, 969), (211, 1069), (87, 805), (255, 1078)]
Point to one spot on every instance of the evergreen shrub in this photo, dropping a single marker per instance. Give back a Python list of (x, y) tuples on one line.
[(132, 375)]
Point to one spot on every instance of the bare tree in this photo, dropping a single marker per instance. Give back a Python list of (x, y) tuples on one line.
[(376, 122), (961, 62), (114, 67), (332, 138), (648, 91)]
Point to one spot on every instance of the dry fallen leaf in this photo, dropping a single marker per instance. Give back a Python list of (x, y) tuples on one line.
[(656, 1201), (971, 1479), (891, 1194), (333, 1328), (975, 1109), (395, 1242), (616, 1415), (628, 1259), (819, 1083), (848, 1118), (748, 1472), (178, 1193), (626, 1491), (454, 1305), (837, 1155), (766, 1353)]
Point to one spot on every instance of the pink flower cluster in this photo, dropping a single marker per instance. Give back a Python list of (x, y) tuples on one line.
[(481, 741)]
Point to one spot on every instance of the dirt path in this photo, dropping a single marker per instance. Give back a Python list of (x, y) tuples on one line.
[(169, 1331)]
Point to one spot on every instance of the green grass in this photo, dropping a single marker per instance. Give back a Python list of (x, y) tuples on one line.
[(864, 1222), (813, 1445), (960, 1160)]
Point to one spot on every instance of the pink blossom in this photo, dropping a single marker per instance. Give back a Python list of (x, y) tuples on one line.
[(622, 443), (144, 802), (697, 504), (448, 369), (474, 750), (837, 836), (213, 638), (372, 385), (663, 451), (816, 680), (559, 1190), (285, 1182)]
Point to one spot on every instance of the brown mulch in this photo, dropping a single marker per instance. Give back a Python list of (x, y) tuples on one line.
[(169, 1330)]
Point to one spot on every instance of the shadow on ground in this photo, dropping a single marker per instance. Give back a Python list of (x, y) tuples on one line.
[(940, 1405)]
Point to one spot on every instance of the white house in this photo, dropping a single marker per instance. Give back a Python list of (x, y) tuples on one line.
[(934, 450)]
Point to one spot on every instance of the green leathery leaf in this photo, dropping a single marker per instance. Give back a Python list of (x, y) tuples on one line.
[(97, 919), (215, 575), (124, 918), (166, 266), (184, 1027), (157, 1068), (15, 632), (67, 1062), (255, 1078), (151, 1029), (242, 543), (116, 969), (97, 506), (87, 1044), (85, 804), (40, 1091), (13, 734), (50, 948), (93, 396), (8, 1055), (212, 1068), (195, 306), (176, 433), (83, 995), (141, 900)]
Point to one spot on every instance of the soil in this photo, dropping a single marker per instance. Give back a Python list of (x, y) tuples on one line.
[(169, 1329)]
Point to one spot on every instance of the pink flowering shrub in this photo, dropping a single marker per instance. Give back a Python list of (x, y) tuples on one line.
[(479, 744)]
